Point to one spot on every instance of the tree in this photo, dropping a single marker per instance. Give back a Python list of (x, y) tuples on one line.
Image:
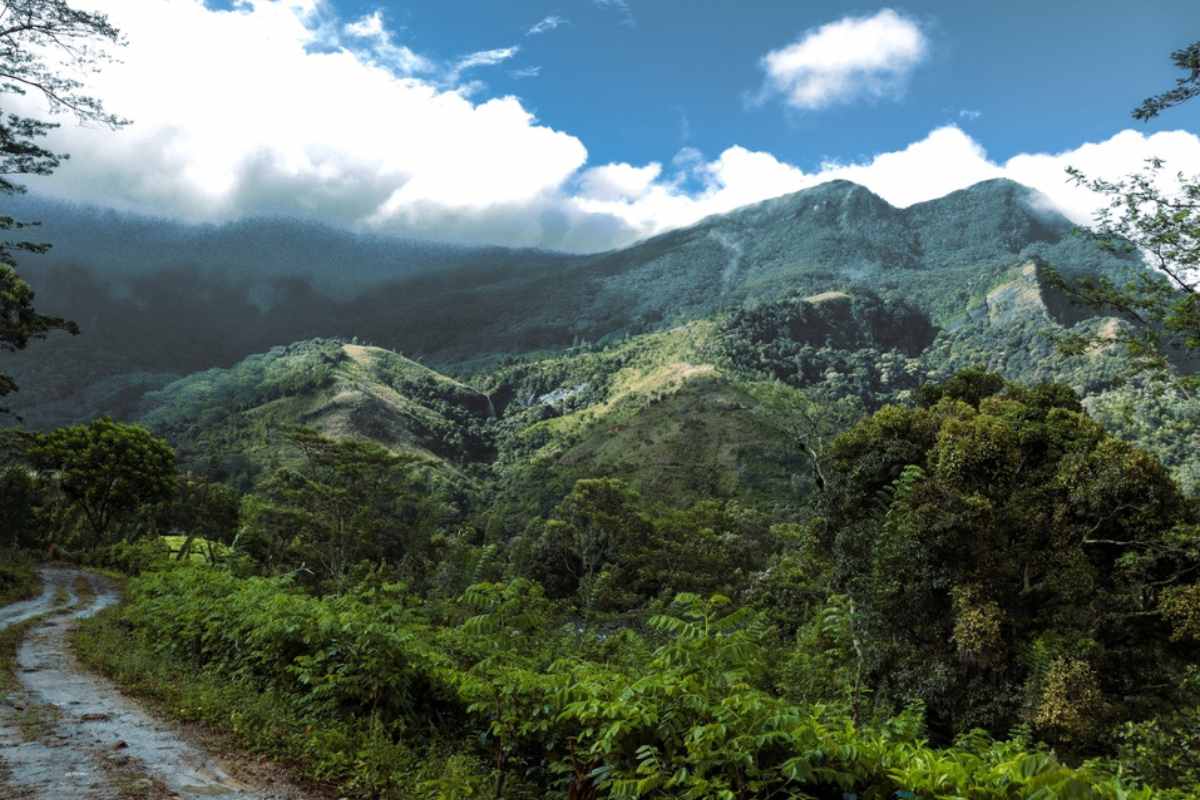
[(18, 507), (1187, 87), (346, 502), (1162, 304), (43, 45), (1141, 217), (811, 419), (109, 470), (1009, 561), (202, 509)]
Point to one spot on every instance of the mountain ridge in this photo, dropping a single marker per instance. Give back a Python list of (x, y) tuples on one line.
[(837, 236)]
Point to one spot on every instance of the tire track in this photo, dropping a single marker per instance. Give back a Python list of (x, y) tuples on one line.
[(87, 727)]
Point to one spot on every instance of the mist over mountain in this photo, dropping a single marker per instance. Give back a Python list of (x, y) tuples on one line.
[(195, 297), (119, 246)]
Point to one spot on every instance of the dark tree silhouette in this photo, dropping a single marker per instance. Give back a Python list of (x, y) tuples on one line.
[(1187, 87), (44, 45)]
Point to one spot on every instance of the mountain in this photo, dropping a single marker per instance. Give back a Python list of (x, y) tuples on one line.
[(118, 246), (725, 407), (465, 311), (834, 236)]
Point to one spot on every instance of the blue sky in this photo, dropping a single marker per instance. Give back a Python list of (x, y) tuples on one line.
[(588, 124), (1045, 75)]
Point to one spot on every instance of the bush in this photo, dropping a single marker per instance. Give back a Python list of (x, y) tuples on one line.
[(365, 689)]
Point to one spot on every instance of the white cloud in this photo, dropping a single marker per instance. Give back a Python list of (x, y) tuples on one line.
[(846, 60), (969, 114), (378, 44), (618, 181), (282, 122), (944, 161), (546, 25), (485, 58), (482, 58), (1120, 155), (368, 27), (293, 119)]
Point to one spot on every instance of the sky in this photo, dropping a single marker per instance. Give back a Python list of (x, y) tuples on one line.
[(584, 125)]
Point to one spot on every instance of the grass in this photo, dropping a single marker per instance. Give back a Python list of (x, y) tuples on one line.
[(234, 715), (84, 590), (35, 719), (18, 578)]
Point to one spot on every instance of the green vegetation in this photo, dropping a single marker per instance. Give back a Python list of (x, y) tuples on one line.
[(396, 699), (1038, 551), (803, 501), (981, 593), (1160, 306), (1186, 88), (223, 421), (818, 499), (18, 579), (477, 311), (106, 471), (755, 554)]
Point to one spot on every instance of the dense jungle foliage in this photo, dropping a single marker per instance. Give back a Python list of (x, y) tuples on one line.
[(985, 595), (821, 498)]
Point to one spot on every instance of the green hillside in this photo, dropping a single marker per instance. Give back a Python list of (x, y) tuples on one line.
[(835, 516), (227, 420), (714, 408), (472, 313)]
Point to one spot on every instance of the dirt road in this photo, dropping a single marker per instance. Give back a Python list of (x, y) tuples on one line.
[(70, 735)]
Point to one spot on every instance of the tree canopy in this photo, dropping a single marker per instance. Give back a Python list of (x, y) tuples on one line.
[(110, 471), (1016, 563)]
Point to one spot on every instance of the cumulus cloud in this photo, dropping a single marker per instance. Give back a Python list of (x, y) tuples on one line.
[(618, 181), (545, 25), (944, 161), (846, 60), (302, 117), (286, 122)]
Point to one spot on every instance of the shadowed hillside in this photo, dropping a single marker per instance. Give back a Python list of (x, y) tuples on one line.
[(469, 309)]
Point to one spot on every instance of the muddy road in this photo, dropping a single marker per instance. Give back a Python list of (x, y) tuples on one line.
[(69, 735)]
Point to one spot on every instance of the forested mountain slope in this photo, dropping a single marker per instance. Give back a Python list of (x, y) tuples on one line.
[(469, 309)]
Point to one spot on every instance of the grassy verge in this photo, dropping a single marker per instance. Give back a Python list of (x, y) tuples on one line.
[(18, 578), (234, 717)]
